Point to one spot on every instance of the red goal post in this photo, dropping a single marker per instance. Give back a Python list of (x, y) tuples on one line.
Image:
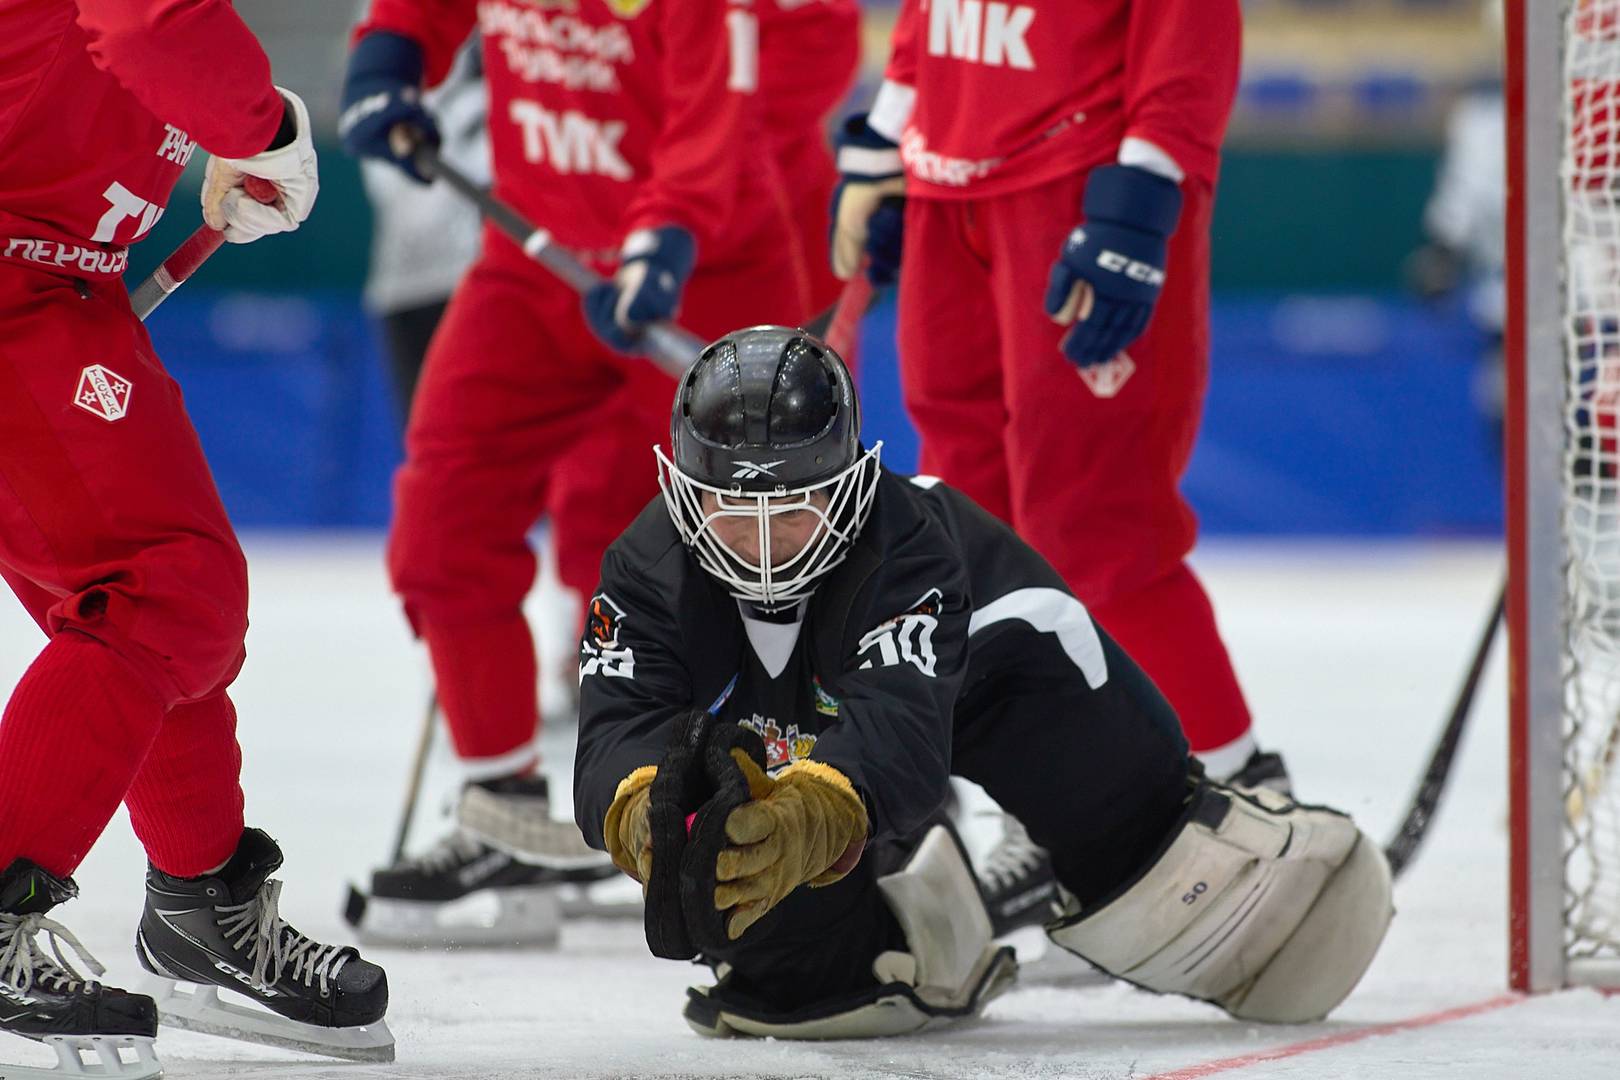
[(1563, 490)]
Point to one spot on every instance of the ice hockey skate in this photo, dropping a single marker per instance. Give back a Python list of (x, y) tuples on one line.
[(224, 931), (1017, 881), (1263, 769), (95, 1030), (464, 892)]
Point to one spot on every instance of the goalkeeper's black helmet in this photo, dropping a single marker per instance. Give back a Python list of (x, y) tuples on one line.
[(767, 422)]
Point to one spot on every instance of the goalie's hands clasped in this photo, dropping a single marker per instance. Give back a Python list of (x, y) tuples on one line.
[(289, 165), (806, 826)]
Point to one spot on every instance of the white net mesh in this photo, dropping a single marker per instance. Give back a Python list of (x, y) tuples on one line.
[(1591, 291)]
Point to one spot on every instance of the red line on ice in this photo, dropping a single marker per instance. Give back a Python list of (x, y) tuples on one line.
[(1328, 1042)]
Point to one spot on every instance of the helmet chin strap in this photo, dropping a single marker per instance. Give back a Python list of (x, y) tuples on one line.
[(781, 614)]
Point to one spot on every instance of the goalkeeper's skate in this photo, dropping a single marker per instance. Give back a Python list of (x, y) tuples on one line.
[(1263, 769), (1017, 881), (95, 1030), (223, 930)]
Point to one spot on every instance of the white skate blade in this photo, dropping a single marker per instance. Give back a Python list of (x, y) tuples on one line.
[(126, 1057), (524, 916), (200, 1009), (617, 897)]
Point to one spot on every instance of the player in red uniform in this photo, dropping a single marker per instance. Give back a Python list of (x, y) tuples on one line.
[(1059, 167), (809, 53), (112, 533), (627, 128)]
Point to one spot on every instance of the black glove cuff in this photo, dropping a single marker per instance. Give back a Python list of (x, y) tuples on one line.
[(1133, 197), (287, 130)]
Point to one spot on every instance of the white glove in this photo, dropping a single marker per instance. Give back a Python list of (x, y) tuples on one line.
[(291, 168)]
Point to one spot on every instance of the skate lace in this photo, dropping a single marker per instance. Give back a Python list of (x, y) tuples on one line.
[(273, 945), (23, 962), (455, 849), (1014, 857)]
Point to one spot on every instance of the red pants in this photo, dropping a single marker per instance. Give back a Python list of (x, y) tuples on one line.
[(522, 412), (1091, 483), (113, 537)]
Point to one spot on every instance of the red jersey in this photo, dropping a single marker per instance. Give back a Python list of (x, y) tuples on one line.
[(810, 50), (610, 115), (102, 103), (1012, 95)]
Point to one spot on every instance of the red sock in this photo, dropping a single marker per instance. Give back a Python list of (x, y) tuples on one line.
[(186, 801), (1169, 629), (487, 685), (72, 737)]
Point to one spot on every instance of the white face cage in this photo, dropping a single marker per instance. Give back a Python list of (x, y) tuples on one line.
[(849, 502)]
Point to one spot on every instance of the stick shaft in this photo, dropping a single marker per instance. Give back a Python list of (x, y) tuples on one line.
[(1420, 814), (413, 789), (184, 260), (173, 271), (670, 347), (844, 328)]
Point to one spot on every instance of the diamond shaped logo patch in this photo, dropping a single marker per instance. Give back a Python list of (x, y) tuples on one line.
[(103, 392), (1107, 379)]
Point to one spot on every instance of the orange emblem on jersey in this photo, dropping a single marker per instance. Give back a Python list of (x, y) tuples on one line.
[(627, 9)]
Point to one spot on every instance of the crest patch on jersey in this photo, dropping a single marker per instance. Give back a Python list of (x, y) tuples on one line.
[(826, 704), (104, 392), (600, 651), (1108, 379), (782, 748), (627, 9)]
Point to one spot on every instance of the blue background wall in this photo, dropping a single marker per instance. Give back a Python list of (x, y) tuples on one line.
[(1328, 414)]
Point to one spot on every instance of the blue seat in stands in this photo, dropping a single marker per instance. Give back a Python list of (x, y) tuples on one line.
[(1388, 93), (1275, 93)]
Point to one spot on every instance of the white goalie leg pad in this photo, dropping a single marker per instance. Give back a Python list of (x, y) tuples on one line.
[(952, 969), (1268, 909)]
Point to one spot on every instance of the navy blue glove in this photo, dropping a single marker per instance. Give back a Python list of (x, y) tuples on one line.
[(1111, 270), (653, 267), (381, 90), (868, 205)]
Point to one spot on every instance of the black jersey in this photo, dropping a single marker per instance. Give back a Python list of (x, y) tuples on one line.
[(937, 604)]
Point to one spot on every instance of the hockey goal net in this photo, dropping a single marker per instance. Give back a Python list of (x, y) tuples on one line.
[(1563, 342)]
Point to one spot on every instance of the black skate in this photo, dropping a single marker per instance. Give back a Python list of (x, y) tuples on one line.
[(464, 892), (224, 930), (95, 1030), (1263, 769), (1017, 882)]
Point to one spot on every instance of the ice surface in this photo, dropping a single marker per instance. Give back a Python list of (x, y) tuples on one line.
[(1350, 657)]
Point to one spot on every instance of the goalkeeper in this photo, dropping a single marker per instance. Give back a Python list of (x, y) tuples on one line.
[(793, 650)]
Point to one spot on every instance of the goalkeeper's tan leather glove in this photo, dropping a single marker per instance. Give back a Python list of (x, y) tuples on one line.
[(806, 826), (625, 829)]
